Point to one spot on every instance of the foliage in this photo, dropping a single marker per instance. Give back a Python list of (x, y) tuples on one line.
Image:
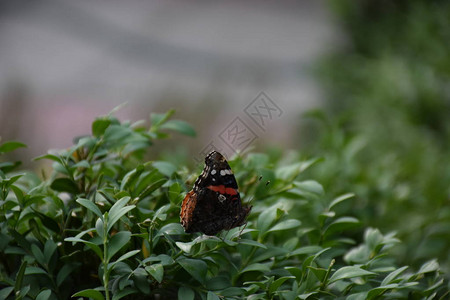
[(105, 225), (386, 132)]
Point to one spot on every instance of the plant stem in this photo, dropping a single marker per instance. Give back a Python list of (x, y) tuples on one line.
[(105, 260)]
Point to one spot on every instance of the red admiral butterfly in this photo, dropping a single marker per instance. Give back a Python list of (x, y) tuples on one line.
[(214, 203)]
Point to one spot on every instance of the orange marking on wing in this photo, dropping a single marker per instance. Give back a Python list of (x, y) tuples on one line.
[(231, 191), (223, 190), (187, 209)]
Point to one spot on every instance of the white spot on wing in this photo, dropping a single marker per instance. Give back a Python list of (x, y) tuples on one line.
[(222, 198), (222, 173), (213, 172)]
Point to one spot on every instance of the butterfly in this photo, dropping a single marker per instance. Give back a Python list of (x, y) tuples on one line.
[(214, 203)]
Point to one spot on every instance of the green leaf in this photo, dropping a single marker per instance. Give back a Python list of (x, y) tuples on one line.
[(48, 222), (34, 270), (158, 119), (375, 292), (358, 296), (99, 227), (341, 224), (185, 247), (266, 218), (65, 185), (297, 272), (391, 276), (161, 213), (44, 295), (65, 271), (6, 167), (232, 291), (165, 260), (175, 192), (18, 192), (90, 293), (150, 182), (90, 206), (123, 293), (318, 272), (130, 178), (91, 245), (4, 292), (165, 167), (9, 181), (340, 199), (11, 146), (373, 238), (277, 283), (49, 156), (157, 271), (81, 164), (212, 296), (127, 255), (38, 255), (310, 188), (196, 267), (270, 253), (284, 225), (24, 291), (429, 266), (116, 243), (116, 135), (256, 267), (19, 276), (218, 283), (186, 293), (117, 211), (21, 240), (252, 243), (171, 229), (360, 254), (99, 126), (289, 172), (179, 126), (306, 250), (348, 272), (141, 281), (49, 250)]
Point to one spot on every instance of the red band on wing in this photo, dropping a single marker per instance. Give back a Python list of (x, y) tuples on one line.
[(223, 190)]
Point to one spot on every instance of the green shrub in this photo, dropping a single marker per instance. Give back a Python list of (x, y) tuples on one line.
[(386, 134), (105, 225)]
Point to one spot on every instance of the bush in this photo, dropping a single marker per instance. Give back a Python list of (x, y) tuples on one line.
[(387, 129), (105, 225)]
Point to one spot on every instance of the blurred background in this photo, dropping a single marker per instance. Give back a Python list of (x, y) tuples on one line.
[(364, 84), (65, 62)]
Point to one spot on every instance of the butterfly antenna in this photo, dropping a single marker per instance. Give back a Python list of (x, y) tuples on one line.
[(242, 230)]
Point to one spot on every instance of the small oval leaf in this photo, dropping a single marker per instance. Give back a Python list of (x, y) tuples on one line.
[(89, 293), (349, 272)]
